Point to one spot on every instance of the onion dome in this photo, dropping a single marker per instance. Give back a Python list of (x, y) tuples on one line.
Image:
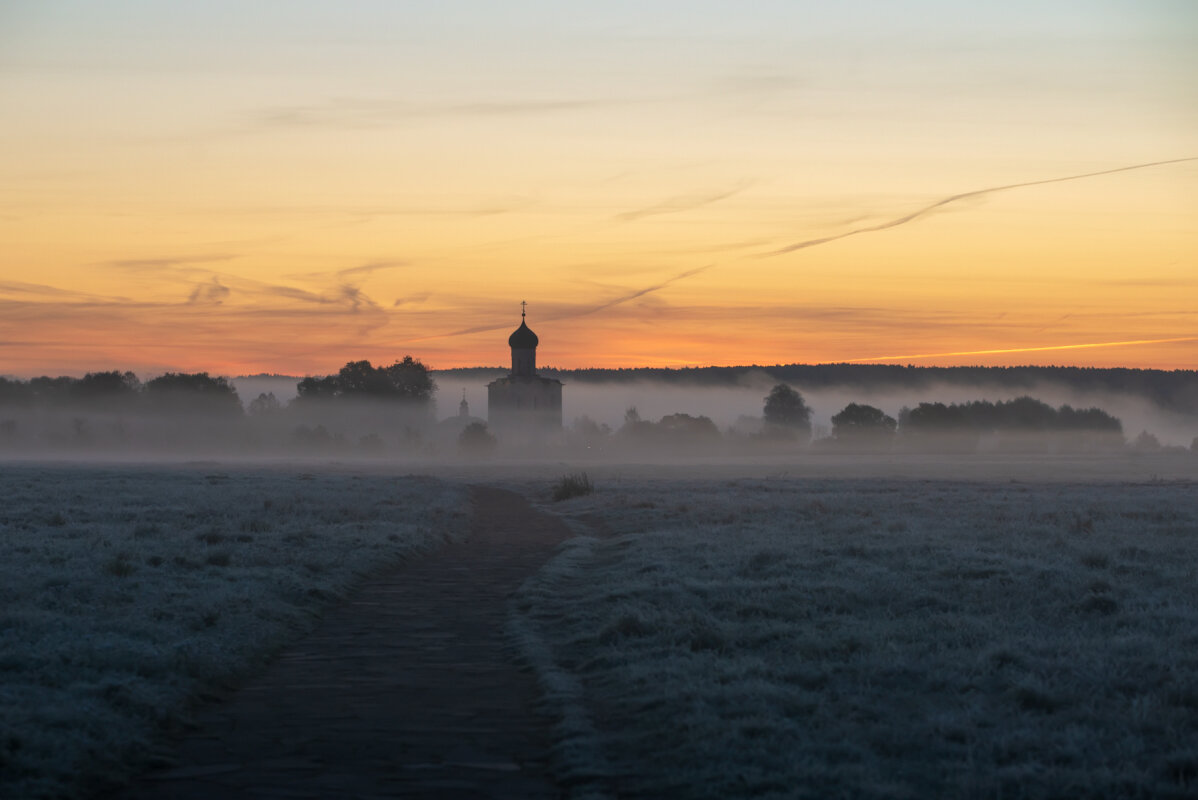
[(523, 338)]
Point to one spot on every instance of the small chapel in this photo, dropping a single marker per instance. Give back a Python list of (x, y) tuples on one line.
[(524, 403)]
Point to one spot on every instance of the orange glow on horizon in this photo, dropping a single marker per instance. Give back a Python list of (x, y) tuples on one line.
[(1024, 349)]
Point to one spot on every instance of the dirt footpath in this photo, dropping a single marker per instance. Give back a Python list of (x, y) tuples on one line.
[(408, 689)]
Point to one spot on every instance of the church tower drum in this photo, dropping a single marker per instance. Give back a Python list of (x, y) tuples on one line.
[(524, 350)]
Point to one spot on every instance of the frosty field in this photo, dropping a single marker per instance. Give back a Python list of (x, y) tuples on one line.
[(715, 630), (124, 591), (873, 638)]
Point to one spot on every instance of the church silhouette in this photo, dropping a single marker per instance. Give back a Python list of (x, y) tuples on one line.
[(524, 405)]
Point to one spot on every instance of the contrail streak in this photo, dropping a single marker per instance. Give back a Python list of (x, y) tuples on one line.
[(581, 312), (903, 220), (1026, 349)]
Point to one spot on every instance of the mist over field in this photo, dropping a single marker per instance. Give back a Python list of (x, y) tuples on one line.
[(640, 413), (605, 402)]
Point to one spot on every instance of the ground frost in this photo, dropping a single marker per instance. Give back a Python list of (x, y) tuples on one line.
[(125, 591), (795, 638)]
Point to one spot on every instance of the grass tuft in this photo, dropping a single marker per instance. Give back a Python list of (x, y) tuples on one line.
[(576, 484)]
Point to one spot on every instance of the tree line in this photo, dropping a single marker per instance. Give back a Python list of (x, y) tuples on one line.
[(124, 392), (406, 381), (786, 421)]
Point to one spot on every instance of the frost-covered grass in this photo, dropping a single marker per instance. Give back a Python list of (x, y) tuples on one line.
[(882, 638), (125, 591)]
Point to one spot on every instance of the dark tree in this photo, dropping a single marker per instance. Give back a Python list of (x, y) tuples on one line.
[(317, 388), (49, 391), (861, 422), (193, 393), (934, 418), (410, 380), (1090, 420), (360, 379), (407, 380), (264, 404), (109, 389), (785, 412), (1026, 413)]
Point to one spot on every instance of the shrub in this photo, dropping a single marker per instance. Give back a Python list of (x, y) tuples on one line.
[(576, 484), (475, 439)]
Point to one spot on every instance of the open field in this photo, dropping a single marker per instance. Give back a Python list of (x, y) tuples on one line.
[(782, 637), (810, 626), (124, 591)]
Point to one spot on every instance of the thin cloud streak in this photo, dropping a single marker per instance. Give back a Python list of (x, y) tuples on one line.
[(418, 297), (367, 269), (1086, 346), (359, 113), (137, 264), (675, 205), (20, 287), (927, 210), (575, 313)]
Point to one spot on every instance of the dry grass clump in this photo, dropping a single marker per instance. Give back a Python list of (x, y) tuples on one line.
[(576, 484)]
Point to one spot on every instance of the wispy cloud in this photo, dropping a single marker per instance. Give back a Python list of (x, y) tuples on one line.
[(581, 312), (44, 290), (369, 268), (166, 262), (686, 202), (349, 297), (213, 293), (922, 212), (573, 312), (348, 273), (418, 297), (956, 198), (366, 113)]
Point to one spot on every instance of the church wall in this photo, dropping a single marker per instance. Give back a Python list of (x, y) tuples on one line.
[(524, 405)]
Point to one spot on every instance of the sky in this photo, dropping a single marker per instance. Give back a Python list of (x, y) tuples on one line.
[(287, 186)]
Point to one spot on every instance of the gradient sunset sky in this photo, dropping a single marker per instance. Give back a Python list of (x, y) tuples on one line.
[(286, 186)]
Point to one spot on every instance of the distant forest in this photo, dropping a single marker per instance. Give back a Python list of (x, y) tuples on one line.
[(368, 409), (1174, 390)]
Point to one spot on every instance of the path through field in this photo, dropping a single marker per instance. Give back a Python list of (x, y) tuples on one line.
[(408, 689)]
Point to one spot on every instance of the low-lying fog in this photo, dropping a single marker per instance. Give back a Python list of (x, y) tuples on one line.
[(606, 403), (374, 429)]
